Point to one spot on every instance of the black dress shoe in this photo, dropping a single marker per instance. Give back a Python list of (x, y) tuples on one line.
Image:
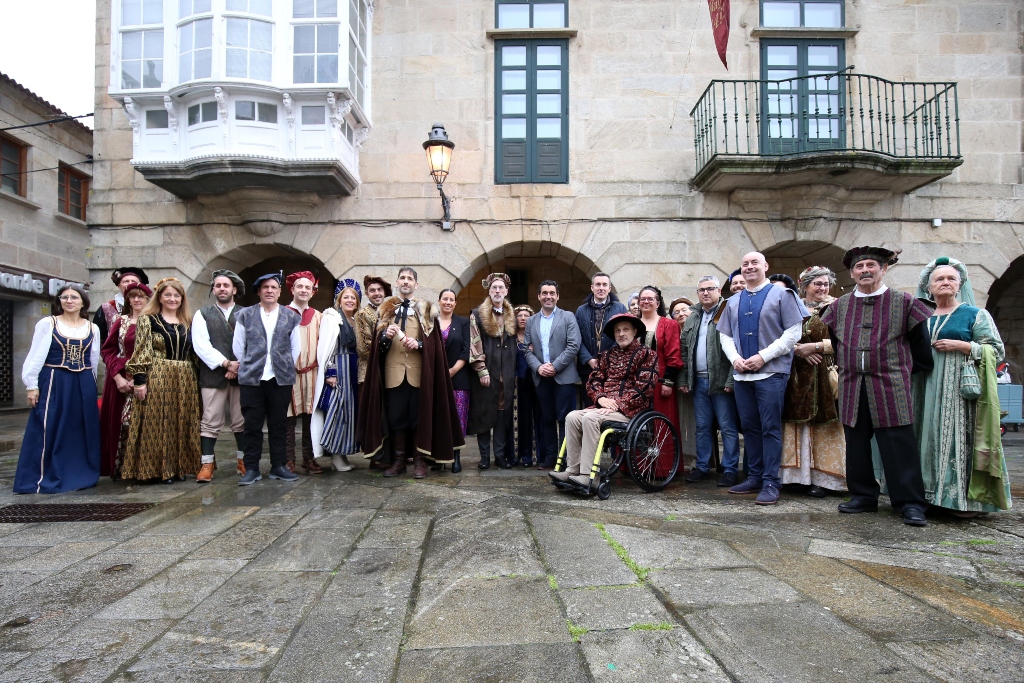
[(485, 463), (817, 492), (696, 475), (858, 505), (914, 516), (727, 479)]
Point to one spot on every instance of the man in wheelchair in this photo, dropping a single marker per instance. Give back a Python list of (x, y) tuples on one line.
[(621, 386)]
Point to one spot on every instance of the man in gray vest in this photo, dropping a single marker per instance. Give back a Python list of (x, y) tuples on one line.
[(758, 331), (213, 330), (267, 345)]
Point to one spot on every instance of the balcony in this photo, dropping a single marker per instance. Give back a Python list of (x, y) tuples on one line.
[(855, 130)]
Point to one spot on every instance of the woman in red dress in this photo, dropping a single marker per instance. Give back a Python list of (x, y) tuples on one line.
[(117, 387), (662, 337)]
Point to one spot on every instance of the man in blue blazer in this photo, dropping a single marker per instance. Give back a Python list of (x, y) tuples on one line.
[(553, 342)]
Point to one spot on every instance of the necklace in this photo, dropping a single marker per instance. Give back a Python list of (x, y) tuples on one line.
[(935, 328)]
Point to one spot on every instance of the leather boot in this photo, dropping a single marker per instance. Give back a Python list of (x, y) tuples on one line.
[(485, 451), (419, 467), (456, 464), (398, 448)]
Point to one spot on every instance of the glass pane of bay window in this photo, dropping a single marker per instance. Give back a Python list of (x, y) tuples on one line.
[(245, 111), (823, 15), (156, 118), (142, 59), (313, 116), (514, 16), (327, 8), (302, 9), (327, 68), (781, 14), (267, 113), (549, 15)]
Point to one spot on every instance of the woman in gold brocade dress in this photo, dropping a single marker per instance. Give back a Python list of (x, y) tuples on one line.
[(163, 439), (813, 442)]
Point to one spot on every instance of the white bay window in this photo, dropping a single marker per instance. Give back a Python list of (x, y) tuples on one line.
[(195, 50), (249, 52)]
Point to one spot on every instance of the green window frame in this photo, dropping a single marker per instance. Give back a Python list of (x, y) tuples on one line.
[(531, 122), (531, 13), (823, 14), (803, 114)]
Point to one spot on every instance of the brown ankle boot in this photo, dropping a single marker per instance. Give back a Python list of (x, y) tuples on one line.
[(419, 467), (398, 447)]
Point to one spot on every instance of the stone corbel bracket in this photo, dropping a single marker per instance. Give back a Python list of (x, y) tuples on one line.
[(261, 211)]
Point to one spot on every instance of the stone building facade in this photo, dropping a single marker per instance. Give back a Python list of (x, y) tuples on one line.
[(641, 166), (43, 236)]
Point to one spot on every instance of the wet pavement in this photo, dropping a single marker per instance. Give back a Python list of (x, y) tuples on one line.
[(495, 576)]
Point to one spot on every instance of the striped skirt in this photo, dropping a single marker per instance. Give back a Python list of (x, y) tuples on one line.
[(339, 436)]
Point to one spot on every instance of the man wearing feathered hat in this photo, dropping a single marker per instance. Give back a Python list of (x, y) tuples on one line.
[(377, 289), (492, 355), (303, 286), (880, 341), (108, 312), (213, 329), (407, 397)]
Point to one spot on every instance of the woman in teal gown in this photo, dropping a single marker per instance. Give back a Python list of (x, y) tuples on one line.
[(951, 446)]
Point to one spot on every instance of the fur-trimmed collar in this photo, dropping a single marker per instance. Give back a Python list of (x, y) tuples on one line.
[(426, 313), (490, 324)]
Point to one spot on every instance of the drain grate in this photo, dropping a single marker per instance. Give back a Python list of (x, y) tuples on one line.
[(75, 512)]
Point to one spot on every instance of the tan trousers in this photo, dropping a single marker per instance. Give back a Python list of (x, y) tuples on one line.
[(216, 402), (582, 432)]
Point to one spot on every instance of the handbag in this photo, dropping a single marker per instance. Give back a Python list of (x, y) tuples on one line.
[(970, 383)]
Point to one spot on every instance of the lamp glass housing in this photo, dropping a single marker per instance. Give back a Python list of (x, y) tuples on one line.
[(439, 158)]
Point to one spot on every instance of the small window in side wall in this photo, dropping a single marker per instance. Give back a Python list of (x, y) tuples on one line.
[(266, 113), (13, 162), (531, 117), (202, 113), (72, 192), (802, 13), (532, 13), (156, 118), (314, 116)]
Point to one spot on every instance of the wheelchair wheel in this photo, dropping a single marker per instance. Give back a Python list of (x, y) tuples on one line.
[(653, 452), (604, 490)]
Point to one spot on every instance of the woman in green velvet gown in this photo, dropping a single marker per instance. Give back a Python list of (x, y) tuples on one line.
[(964, 471)]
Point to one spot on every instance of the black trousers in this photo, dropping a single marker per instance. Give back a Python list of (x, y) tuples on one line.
[(268, 403), (556, 401), (403, 406), (900, 460), (529, 418)]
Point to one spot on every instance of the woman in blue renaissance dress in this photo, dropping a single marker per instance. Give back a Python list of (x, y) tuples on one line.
[(61, 448)]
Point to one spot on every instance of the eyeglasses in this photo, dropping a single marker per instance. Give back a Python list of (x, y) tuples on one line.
[(706, 290), (647, 300), (70, 298), (819, 284)]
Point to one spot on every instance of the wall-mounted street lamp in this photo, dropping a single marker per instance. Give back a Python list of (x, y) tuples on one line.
[(439, 158)]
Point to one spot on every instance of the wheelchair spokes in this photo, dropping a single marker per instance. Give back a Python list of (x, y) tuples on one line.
[(653, 452)]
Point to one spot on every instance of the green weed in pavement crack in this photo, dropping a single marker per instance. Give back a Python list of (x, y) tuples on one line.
[(575, 631), (641, 572), (661, 626)]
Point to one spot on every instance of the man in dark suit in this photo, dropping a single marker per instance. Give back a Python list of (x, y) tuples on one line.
[(553, 339)]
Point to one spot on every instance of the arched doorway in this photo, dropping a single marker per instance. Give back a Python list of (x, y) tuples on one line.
[(1006, 304), (526, 274), (291, 263), (794, 256)]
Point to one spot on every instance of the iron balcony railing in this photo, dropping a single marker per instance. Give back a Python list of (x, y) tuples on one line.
[(833, 111)]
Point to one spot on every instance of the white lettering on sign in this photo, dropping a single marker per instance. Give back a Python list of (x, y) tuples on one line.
[(57, 283), (21, 283)]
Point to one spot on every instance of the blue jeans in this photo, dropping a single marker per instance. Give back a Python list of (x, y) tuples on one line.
[(759, 404), (707, 407)]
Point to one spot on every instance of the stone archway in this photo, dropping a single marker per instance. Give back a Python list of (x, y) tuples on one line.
[(1006, 304), (254, 260), (794, 256)]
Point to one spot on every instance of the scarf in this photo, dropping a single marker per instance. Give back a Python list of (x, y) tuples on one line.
[(599, 311)]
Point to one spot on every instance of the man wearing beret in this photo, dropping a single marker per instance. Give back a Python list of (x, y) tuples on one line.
[(377, 289), (881, 342), (110, 311), (213, 329), (303, 286)]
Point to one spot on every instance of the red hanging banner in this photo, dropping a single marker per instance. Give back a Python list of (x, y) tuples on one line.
[(720, 26)]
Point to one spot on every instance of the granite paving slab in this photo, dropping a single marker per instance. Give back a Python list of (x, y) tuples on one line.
[(306, 550), (613, 607), (540, 663), (394, 529), (247, 539), (244, 624), (58, 557), (174, 592), (336, 518), (493, 541), (577, 554), (203, 521), (952, 566), (652, 549), (643, 656), (10, 554), (357, 496), (694, 589), (882, 612), (797, 642), (91, 651), (484, 612), (180, 545), (979, 660)]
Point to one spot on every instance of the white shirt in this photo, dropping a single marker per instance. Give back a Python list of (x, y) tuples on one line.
[(201, 339), (269, 324), (862, 295), (41, 339), (780, 347)]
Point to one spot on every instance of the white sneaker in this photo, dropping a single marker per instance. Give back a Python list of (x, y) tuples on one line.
[(341, 463)]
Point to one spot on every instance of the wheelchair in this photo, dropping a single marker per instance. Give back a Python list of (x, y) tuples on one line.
[(641, 444)]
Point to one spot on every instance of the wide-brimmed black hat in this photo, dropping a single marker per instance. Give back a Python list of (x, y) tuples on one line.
[(637, 323), (137, 272), (886, 257)]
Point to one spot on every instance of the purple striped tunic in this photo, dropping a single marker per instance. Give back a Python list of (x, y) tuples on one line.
[(871, 336)]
